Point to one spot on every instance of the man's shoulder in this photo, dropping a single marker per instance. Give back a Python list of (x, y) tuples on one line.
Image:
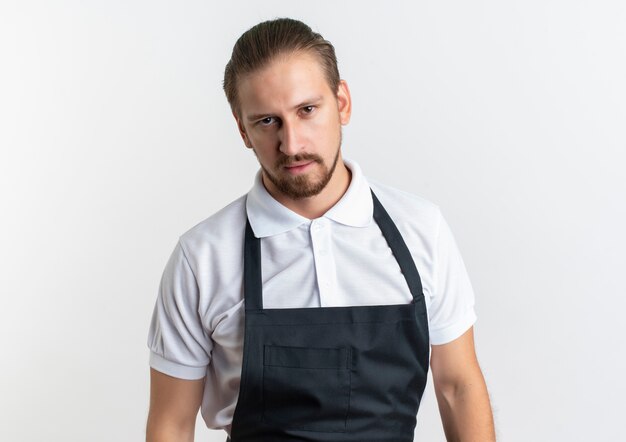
[(417, 218), (224, 225), (405, 205)]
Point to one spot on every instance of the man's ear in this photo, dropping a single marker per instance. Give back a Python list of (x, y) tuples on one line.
[(242, 131), (344, 102)]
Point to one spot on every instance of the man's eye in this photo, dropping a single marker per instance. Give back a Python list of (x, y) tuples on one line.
[(308, 109), (266, 121)]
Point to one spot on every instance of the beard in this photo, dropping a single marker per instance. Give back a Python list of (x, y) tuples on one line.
[(301, 186)]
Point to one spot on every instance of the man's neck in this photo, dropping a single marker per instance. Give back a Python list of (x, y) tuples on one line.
[(316, 206)]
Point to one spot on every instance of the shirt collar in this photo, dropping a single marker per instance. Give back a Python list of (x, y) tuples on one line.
[(268, 217)]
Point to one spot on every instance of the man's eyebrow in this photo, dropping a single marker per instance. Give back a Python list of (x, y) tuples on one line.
[(308, 102), (255, 117)]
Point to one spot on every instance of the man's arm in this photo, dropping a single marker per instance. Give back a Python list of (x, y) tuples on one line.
[(461, 391), (174, 405)]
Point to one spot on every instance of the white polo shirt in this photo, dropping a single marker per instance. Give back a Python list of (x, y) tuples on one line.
[(339, 259)]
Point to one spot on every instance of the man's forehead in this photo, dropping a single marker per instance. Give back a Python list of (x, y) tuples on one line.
[(286, 82)]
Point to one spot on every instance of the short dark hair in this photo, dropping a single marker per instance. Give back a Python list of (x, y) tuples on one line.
[(262, 43)]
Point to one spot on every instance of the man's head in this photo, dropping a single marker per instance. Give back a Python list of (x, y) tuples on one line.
[(265, 42), (284, 89)]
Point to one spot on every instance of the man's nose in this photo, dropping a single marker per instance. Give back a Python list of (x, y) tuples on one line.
[(290, 138)]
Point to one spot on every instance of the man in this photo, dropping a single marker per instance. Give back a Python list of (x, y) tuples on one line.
[(311, 308)]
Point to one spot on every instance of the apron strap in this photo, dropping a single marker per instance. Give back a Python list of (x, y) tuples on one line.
[(252, 280), (399, 249)]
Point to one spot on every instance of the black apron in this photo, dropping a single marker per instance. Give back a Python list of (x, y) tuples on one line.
[(332, 373)]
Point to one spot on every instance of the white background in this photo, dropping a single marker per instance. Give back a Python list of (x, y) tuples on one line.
[(116, 138)]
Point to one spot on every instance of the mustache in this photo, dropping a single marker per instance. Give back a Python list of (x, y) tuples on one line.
[(285, 160)]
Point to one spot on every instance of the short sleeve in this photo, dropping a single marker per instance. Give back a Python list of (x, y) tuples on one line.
[(451, 311), (179, 345)]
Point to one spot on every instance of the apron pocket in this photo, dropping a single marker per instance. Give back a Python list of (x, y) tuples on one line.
[(306, 388)]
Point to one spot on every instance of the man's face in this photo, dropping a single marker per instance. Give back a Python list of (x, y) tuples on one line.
[(292, 120)]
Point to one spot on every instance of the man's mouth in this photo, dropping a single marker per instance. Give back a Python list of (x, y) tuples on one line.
[(298, 167)]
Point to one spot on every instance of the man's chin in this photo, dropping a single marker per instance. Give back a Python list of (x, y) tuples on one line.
[(303, 185), (299, 190)]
